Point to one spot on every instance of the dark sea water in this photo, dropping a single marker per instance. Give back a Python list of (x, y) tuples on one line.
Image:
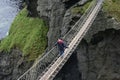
[(8, 10)]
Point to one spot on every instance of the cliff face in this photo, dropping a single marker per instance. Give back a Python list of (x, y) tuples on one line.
[(12, 65), (97, 56), (99, 60), (98, 53), (52, 11), (58, 16), (102, 23), (70, 70)]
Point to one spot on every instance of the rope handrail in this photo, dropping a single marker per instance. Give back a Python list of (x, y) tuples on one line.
[(80, 22), (40, 63), (36, 63), (91, 5)]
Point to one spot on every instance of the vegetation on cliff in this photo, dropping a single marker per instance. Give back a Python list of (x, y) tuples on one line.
[(27, 34), (112, 7), (81, 9)]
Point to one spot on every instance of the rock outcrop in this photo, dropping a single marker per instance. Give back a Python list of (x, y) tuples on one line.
[(97, 56), (98, 53), (70, 71), (102, 23), (53, 12), (100, 60), (32, 8), (57, 14), (12, 65)]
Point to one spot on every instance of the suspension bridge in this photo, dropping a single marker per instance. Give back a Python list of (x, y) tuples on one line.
[(49, 64)]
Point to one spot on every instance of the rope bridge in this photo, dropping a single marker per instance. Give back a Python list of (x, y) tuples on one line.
[(48, 65)]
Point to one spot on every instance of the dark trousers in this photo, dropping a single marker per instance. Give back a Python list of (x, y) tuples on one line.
[(61, 52)]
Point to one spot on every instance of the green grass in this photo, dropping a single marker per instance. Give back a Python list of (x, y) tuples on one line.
[(81, 9), (112, 8), (27, 34)]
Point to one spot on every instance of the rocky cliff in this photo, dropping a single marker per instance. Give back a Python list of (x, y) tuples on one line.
[(58, 16), (97, 56), (99, 60), (12, 65), (32, 7)]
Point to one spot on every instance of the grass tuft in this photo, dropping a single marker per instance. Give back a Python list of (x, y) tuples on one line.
[(81, 9), (27, 34), (112, 8)]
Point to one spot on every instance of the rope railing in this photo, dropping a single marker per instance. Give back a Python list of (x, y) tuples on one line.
[(73, 31), (44, 61)]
